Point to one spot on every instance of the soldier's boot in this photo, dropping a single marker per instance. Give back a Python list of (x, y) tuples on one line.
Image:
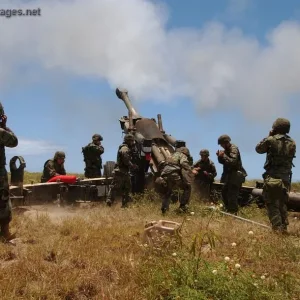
[(164, 210), (6, 234), (183, 208), (110, 197), (125, 200)]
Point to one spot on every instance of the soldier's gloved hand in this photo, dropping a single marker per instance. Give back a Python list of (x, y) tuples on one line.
[(3, 121), (220, 153), (195, 171), (205, 173)]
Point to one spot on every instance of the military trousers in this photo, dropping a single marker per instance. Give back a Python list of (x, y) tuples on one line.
[(5, 203), (230, 194), (121, 181), (175, 185), (92, 172), (275, 193), (202, 190)]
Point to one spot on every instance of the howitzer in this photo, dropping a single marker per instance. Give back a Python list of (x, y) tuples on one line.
[(153, 144), (249, 194), (78, 191)]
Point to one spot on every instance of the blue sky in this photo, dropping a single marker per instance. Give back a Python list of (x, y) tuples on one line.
[(209, 67)]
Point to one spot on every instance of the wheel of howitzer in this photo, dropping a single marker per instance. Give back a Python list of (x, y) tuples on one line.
[(108, 168)]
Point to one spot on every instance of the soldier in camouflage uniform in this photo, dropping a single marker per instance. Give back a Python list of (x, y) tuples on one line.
[(280, 149), (206, 173), (7, 139), (233, 174), (121, 176), (54, 167), (92, 157), (176, 174)]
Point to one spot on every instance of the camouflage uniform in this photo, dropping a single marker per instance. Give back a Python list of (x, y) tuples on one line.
[(280, 149), (52, 168), (7, 139), (206, 175), (233, 174), (121, 177), (92, 157), (177, 175)]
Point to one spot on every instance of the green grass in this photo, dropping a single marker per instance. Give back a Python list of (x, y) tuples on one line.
[(99, 253)]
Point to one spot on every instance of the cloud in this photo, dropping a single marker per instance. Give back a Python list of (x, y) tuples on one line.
[(33, 147), (127, 44)]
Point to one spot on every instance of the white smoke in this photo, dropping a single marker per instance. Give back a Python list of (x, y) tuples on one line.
[(128, 44)]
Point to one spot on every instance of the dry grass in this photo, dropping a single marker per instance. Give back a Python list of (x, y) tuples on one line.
[(98, 254)]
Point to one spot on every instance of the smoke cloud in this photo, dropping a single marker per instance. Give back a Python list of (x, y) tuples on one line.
[(127, 44)]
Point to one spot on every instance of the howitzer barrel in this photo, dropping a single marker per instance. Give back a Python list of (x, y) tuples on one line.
[(123, 95), (293, 202)]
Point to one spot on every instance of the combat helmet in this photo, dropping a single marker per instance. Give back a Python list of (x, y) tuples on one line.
[(224, 139), (184, 150), (179, 144), (59, 154), (128, 137), (204, 152), (281, 125), (1, 109), (97, 137)]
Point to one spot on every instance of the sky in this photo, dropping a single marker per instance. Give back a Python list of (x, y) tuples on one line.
[(209, 67)]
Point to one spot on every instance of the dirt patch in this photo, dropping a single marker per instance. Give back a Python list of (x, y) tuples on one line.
[(55, 214)]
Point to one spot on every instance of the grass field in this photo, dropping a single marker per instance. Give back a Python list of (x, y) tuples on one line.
[(99, 253)]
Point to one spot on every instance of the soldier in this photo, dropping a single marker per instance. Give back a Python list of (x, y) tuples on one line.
[(280, 149), (121, 177), (233, 173), (176, 174), (7, 139), (206, 173), (54, 167), (92, 157)]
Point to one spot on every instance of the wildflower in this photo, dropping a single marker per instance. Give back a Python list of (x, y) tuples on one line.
[(192, 213), (262, 277), (227, 259), (237, 266), (250, 232), (214, 272), (174, 254), (233, 244)]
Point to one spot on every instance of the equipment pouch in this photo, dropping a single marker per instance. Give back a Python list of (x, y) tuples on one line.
[(273, 187)]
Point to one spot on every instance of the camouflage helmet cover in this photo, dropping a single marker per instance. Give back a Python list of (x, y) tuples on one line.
[(97, 137), (204, 152), (223, 139), (184, 150), (59, 154), (281, 125), (128, 137), (1, 109)]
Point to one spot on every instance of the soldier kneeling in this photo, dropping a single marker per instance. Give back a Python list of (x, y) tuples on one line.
[(176, 174)]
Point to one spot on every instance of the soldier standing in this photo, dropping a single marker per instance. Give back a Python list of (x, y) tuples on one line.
[(233, 173), (176, 174), (7, 139), (206, 173), (54, 167), (280, 149), (121, 176), (92, 157)]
